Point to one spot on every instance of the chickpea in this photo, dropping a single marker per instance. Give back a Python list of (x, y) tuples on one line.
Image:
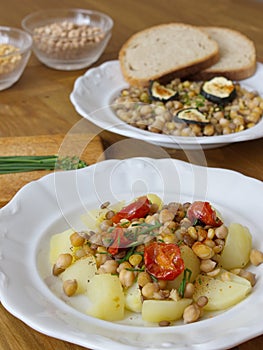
[(251, 277), (109, 215), (123, 266), (209, 242), (185, 222), (66, 39), (192, 232), (76, 239), (80, 253), (256, 257), (221, 232), (143, 279), (149, 289), (202, 301), (189, 290), (210, 233), (110, 266), (202, 234), (226, 130), (191, 313), (105, 225), (126, 278), (101, 256), (188, 240), (63, 261), (165, 215), (223, 122), (70, 287), (162, 284), (209, 130), (207, 265), (154, 208)]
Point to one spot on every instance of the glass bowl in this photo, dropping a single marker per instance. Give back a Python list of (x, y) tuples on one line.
[(15, 50), (68, 39)]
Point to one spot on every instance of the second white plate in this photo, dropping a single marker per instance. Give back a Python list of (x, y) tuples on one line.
[(94, 92)]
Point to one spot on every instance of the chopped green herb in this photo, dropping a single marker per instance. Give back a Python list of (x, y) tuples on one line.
[(127, 256), (16, 164), (106, 253), (200, 101), (134, 269), (154, 278), (124, 223), (186, 278)]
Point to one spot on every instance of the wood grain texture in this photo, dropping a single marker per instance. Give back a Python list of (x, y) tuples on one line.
[(39, 105), (85, 146)]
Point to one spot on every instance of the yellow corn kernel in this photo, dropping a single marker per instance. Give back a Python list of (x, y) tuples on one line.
[(135, 259)]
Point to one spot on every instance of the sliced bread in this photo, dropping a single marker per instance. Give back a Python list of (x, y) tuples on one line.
[(237, 55), (166, 51)]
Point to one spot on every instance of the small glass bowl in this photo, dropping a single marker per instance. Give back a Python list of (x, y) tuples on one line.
[(15, 50), (68, 39)]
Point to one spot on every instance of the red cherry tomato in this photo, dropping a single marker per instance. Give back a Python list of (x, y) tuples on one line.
[(138, 209), (203, 212), (163, 261), (119, 240)]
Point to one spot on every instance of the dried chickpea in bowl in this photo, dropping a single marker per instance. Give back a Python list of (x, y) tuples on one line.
[(15, 50), (68, 39)]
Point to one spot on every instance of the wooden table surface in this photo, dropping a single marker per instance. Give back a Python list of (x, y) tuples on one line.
[(39, 105)]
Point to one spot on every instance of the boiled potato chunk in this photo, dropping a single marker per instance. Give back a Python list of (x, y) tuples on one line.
[(94, 217), (160, 310), (221, 294), (191, 262), (82, 270), (237, 247), (106, 296), (59, 244), (133, 298), (226, 275), (154, 199)]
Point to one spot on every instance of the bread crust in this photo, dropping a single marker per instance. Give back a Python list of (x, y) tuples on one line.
[(179, 71), (231, 73)]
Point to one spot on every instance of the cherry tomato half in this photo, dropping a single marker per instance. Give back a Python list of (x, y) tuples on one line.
[(138, 209), (203, 212), (163, 261), (119, 240)]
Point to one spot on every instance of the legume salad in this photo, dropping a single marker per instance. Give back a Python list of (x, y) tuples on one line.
[(135, 106), (168, 261)]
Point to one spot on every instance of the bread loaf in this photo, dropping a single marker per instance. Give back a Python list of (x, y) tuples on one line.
[(166, 51), (237, 55)]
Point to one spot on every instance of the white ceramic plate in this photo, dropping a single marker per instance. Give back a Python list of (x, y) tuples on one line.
[(55, 203), (94, 92)]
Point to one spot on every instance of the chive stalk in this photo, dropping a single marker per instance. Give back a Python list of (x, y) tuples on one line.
[(16, 164)]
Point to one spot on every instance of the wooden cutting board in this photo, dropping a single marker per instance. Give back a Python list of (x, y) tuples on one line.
[(87, 147)]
